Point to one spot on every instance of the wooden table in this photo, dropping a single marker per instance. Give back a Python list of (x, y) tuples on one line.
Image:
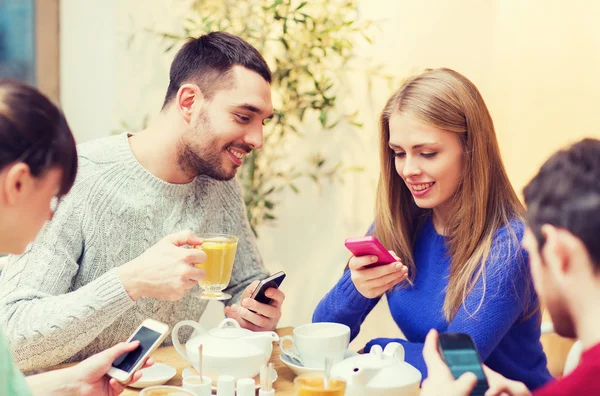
[(284, 385)]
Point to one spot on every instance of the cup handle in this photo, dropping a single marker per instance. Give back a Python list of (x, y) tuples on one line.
[(175, 337), (288, 352)]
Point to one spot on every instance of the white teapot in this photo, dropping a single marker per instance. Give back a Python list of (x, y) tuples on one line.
[(227, 349), (379, 373)]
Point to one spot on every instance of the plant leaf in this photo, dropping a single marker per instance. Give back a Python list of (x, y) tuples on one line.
[(323, 118)]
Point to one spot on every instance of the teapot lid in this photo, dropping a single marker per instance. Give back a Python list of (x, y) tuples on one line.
[(228, 339), (228, 329), (378, 369)]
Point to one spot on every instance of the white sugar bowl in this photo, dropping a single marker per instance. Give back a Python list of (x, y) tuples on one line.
[(379, 373)]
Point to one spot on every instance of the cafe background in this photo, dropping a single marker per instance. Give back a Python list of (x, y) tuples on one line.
[(535, 63)]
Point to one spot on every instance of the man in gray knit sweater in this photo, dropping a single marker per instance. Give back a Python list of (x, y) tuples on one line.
[(114, 254)]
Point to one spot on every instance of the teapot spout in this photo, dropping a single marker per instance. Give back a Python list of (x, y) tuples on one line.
[(262, 338), (263, 341)]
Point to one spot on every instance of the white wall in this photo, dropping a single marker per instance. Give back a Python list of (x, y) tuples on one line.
[(87, 66), (535, 63)]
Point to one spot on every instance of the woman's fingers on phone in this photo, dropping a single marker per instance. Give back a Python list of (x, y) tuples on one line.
[(117, 350), (394, 254), (397, 281), (385, 269), (379, 291), (383, 280), (135, 377), (116, 386), (357, 263), (148, 363), (387, 284)]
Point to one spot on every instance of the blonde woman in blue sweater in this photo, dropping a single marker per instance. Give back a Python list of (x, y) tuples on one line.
[(445, 206)]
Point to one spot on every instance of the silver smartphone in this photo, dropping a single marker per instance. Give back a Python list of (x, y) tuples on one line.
[(150, 334)]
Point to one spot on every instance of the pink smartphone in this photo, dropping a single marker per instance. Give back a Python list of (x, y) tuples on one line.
[(367, 246)]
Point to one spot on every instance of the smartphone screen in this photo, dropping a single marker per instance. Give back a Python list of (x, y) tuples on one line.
[(461, 356), (147, 338), (461, 361)]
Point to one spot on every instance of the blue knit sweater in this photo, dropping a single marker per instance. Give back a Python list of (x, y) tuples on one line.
[(508, 342)]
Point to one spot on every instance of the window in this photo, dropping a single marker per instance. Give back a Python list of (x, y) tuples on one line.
[(17, 46), (29, 43)]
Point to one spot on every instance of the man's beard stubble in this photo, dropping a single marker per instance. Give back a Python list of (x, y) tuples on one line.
[(196, 160)]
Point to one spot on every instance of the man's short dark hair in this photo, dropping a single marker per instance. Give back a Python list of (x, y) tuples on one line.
[(207, 61), (566, 193)]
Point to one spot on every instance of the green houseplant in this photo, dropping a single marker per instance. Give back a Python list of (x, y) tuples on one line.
[(308, 46)]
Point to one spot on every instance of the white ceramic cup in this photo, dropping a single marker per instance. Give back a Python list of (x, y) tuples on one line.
[(314, 342), (165, 390), (201, 386), (226, 385), (245, 387)]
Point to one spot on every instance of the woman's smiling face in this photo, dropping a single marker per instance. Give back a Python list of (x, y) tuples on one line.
[(428, 159)]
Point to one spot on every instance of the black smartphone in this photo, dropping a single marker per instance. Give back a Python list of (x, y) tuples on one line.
[(273, 281), (461, 356)]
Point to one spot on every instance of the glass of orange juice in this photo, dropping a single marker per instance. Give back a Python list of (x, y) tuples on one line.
[(313, 385), (220, 254)]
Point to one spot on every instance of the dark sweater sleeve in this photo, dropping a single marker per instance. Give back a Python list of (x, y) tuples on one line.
[(508, 293), (344, 304)]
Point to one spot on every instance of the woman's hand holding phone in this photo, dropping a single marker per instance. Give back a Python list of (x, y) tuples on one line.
[(88, 378), (91, 373), (373, 281)]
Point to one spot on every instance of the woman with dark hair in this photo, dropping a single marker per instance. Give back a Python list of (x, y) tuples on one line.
[(38, 163)]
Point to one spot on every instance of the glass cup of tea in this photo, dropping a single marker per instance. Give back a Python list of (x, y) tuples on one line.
[(220, 254), (314, 385)]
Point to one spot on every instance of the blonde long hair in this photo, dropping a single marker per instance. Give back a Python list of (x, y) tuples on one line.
[(484, 201)]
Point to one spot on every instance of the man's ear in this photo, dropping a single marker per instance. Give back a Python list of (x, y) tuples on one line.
[(188, 96), (17, 180), (554, 252)]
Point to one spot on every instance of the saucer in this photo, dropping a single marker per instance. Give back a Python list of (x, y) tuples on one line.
[(299, 369), (157, 374), (192, 371)]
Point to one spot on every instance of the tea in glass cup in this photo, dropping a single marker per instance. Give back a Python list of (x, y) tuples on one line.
[(314, 385), (220, 254)]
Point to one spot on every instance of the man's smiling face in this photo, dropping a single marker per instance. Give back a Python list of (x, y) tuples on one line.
[(227, 127)]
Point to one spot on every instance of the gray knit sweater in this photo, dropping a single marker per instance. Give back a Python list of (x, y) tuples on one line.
[(63, 301)]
